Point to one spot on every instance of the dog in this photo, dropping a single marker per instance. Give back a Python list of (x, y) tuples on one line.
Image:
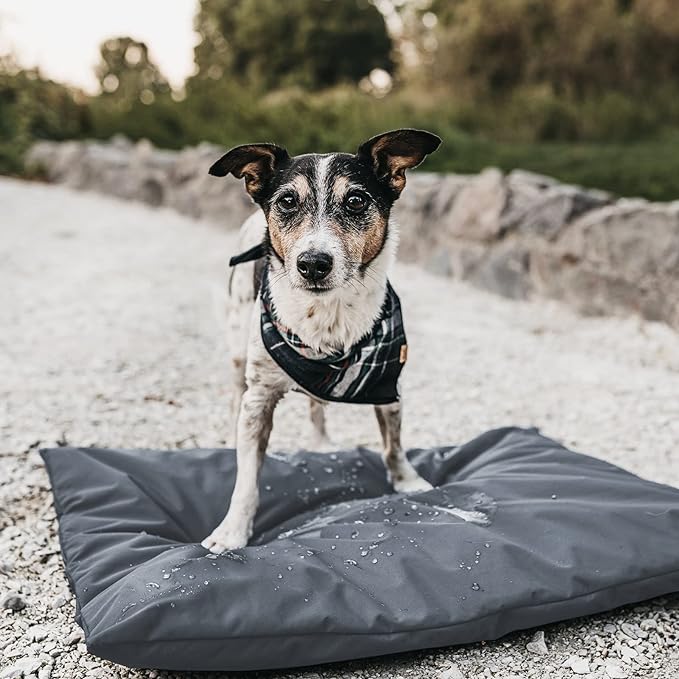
[(311, 308)]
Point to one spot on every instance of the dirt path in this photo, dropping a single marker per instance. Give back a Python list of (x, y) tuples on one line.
[(111, 334)]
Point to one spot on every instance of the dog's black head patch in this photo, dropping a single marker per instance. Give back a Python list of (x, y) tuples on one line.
[(336, 205), (384, 158)]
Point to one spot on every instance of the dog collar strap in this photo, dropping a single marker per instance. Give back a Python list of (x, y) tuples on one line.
[(367, 373), (256, 252)]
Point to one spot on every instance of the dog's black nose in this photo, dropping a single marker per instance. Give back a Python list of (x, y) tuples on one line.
[(314, 265)]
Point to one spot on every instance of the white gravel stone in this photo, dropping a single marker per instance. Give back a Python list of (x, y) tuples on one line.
[(60, 601), (615, 671), (450, 672), (22, 668), (537, 644), (627, 652), (628, 630), (74, 637), (37, 633), (577, 664)]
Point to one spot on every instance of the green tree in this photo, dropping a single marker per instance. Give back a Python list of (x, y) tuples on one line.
[(272, 44), (127, 75), (135, 97), (564, 69), (577, 48)]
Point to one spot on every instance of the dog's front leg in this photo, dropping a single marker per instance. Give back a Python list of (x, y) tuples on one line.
[(401, 473), (254, 427), (320, 441)]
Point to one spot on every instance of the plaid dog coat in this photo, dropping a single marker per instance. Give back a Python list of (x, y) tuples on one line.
[(367, 372)]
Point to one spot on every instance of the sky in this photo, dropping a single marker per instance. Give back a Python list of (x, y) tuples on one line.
[(62, 37)]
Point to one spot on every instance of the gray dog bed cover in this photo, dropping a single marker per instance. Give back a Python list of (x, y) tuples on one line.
[(518, 532)]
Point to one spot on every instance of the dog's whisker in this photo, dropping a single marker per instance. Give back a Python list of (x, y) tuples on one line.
[(278, 277)]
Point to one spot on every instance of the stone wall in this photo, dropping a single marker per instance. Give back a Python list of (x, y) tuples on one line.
[(519, 235)]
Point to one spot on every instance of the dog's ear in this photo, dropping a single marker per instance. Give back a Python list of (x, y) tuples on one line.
[(255, 162), (392, 153)]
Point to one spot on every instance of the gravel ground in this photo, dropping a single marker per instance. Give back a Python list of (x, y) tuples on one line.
[(111, 334)]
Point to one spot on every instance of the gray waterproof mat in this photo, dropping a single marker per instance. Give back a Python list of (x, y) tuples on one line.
[(518, 532)]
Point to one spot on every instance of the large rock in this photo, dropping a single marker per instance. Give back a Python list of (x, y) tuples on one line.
[(133, 172), (476, 212), (178, 180), (420, 213), (517, 235), (196, 193), (504, 270), (540, 206), (620, 258)]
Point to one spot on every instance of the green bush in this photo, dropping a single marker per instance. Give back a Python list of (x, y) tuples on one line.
[(648, 169), (33, 108)]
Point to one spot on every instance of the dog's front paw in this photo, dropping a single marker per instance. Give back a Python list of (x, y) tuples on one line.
[(405, 479), (222, 540), (412, 484)]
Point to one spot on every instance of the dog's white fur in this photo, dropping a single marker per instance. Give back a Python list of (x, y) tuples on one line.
[(340, 318)]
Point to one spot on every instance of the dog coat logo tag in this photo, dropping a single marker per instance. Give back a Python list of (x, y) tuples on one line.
[(403, 356)]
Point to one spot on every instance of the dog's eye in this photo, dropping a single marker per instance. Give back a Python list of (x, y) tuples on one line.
[(288, 202), (356, 202)]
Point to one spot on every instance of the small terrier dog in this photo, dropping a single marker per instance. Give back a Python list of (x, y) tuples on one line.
[(325, 320)]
